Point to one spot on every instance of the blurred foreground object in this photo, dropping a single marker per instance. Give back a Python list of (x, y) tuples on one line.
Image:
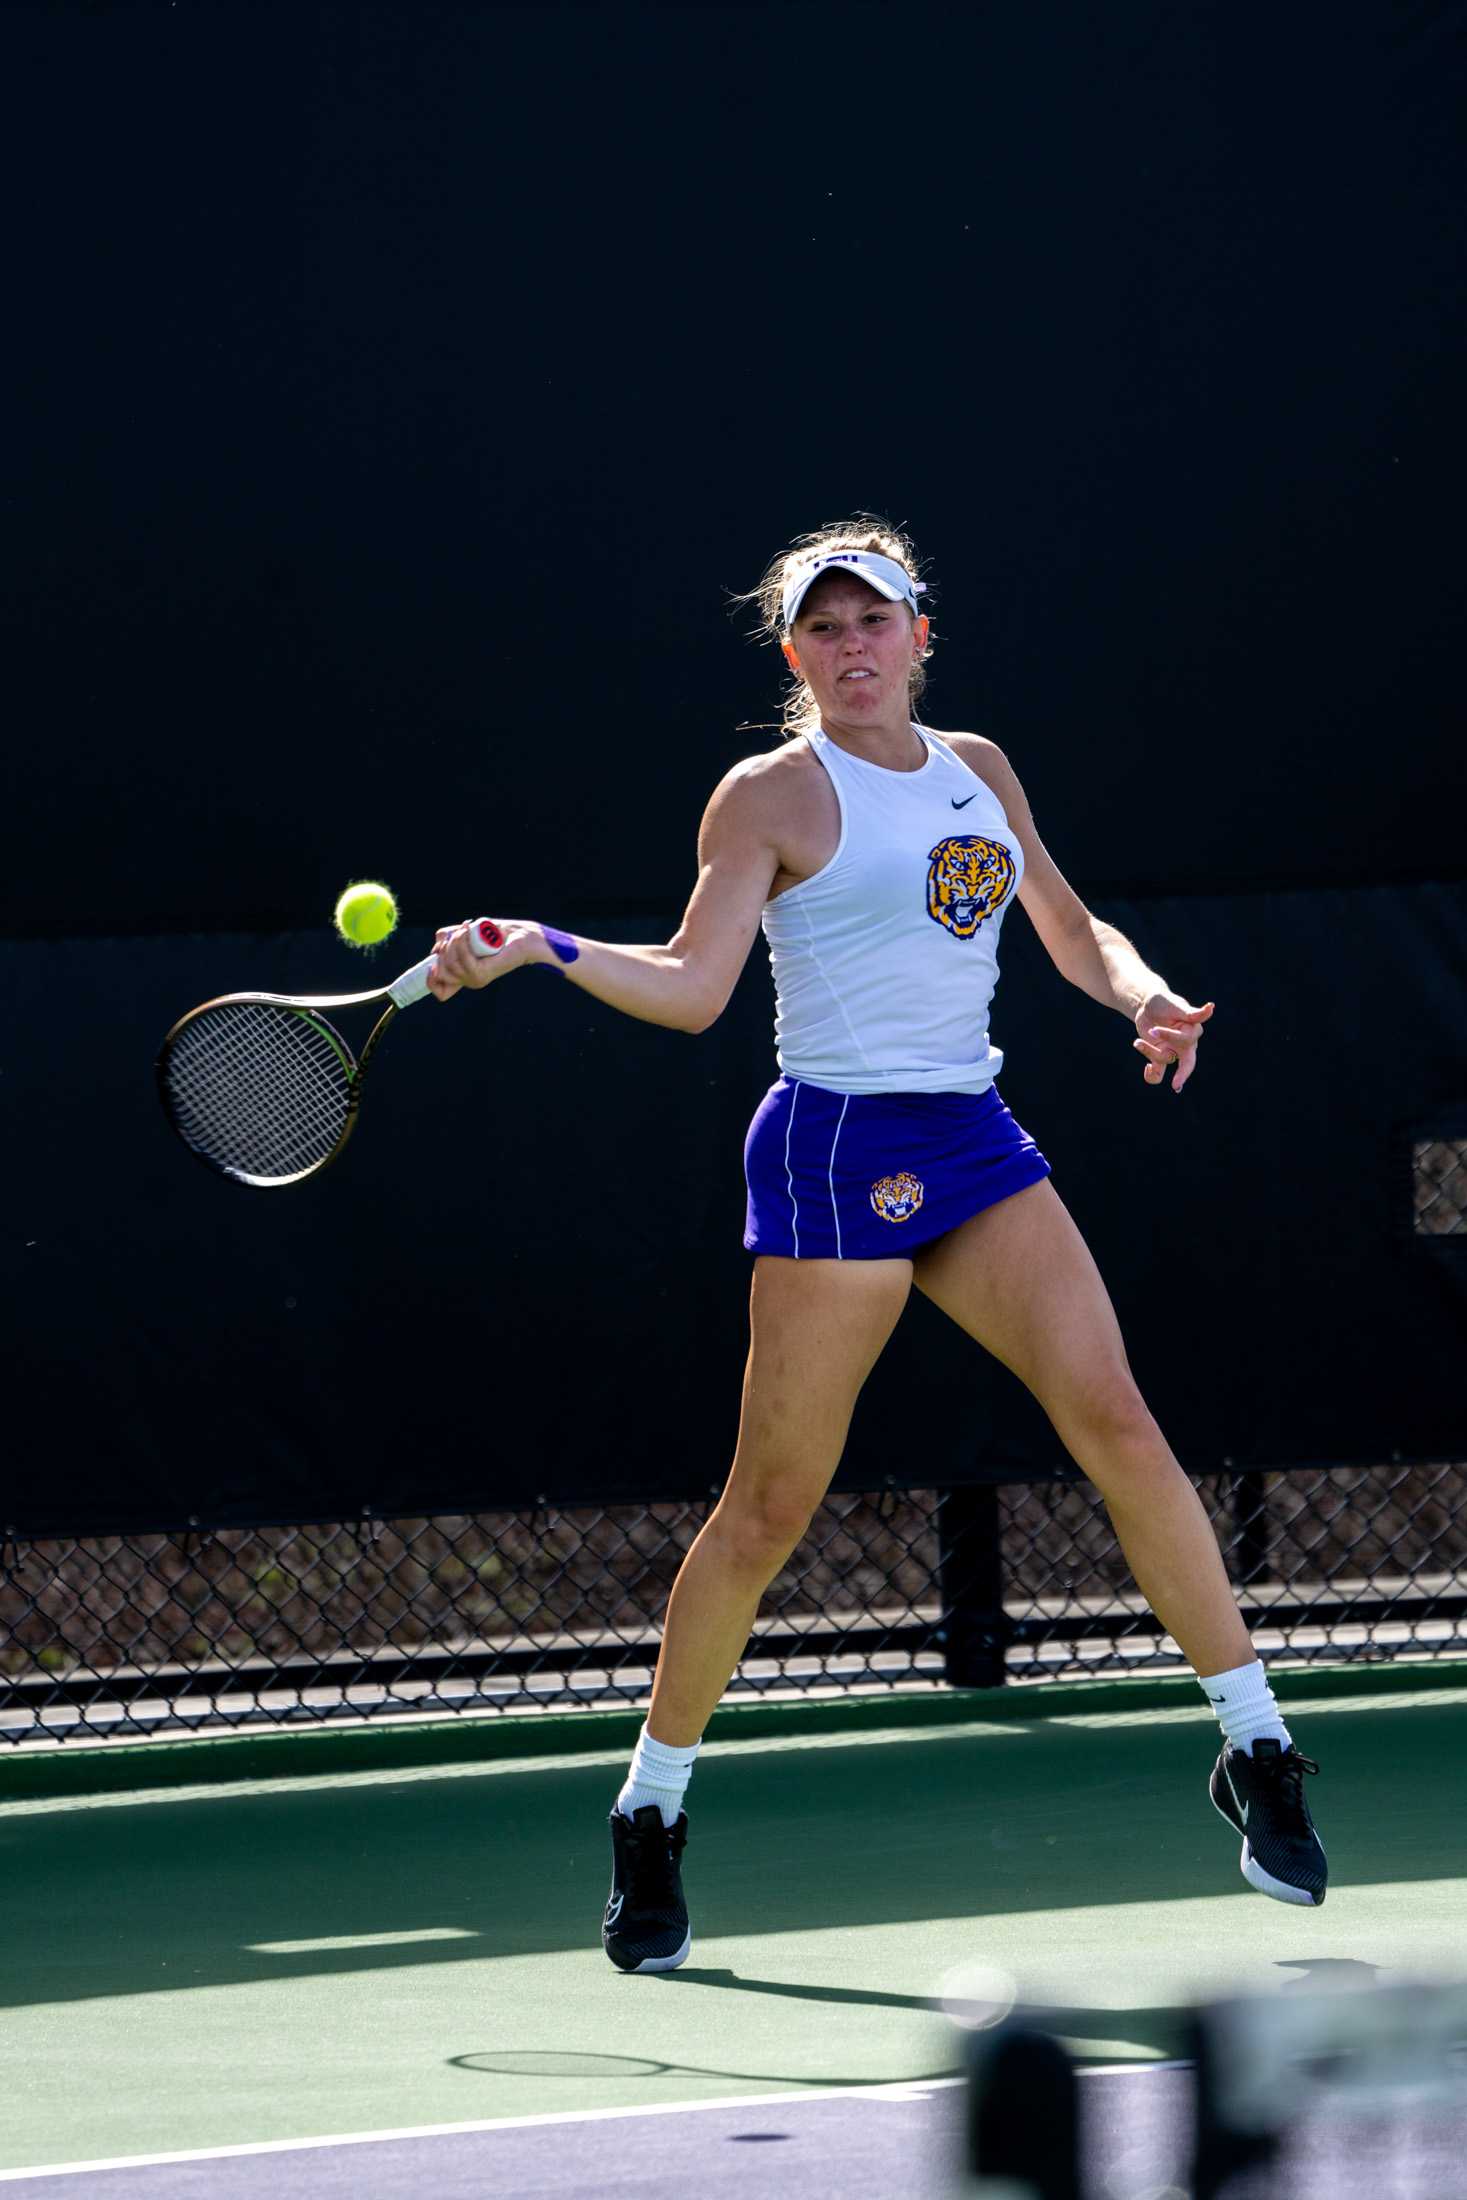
[(1266, 2060), (1023, 2115), (1302, 2094)]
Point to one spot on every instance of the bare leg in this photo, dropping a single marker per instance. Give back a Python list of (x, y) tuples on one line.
[(816, 1330), (1019, 1277)]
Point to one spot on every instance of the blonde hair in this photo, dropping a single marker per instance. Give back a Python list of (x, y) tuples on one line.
[(866, 531)]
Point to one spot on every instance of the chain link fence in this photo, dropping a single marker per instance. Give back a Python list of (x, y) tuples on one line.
[(1439, 1177), (508, 1612)]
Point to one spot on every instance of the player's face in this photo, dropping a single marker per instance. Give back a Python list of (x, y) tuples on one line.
[(856, 650)]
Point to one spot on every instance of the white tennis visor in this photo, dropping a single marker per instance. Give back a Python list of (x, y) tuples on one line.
[(885, 575)]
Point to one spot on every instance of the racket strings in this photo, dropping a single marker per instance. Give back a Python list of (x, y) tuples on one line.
[(259, 1089)]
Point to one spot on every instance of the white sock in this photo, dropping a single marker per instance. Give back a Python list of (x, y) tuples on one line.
[(1245, 1707), (658, 1774)]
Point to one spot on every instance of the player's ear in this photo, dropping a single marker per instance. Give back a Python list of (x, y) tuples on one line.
[(921, 628), (791, 656)]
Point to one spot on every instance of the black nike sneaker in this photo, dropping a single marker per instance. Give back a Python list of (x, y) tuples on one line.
[(646, 1922), (1262, 1797)]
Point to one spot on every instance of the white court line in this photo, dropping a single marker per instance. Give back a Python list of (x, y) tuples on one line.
[(609, 1760), (1119, 2070), (598, 1760), (896, 2091), (906, 2089)]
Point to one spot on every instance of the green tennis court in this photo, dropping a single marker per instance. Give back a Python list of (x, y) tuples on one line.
[(225, 1944)]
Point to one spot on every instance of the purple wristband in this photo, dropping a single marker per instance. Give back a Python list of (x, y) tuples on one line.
[(561, 943)]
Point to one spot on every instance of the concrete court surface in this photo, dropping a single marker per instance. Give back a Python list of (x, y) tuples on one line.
[(400, 1950)]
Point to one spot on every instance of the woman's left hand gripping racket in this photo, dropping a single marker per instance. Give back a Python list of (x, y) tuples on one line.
[(262, 1088)]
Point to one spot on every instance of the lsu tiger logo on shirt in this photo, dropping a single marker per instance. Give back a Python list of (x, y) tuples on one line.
[(968, 881), (895, 1198)]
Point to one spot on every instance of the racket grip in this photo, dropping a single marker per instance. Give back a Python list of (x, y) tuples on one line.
[(485, 938)]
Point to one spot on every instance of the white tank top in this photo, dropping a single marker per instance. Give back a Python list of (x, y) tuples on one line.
[(885, 961)]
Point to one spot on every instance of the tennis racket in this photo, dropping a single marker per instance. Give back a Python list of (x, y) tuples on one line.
[(261, 1087)]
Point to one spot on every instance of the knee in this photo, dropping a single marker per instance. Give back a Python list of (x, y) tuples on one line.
[(759, 1530), (1113, 1420)]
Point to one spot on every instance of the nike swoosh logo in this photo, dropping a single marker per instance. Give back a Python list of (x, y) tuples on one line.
[(967, 798)]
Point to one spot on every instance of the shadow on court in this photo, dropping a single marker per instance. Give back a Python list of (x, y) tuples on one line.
[(1160, 2030), (1157, 2029), (511, 2062), (168, 1895)]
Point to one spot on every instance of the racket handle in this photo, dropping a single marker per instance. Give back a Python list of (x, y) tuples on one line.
[(485, 938)]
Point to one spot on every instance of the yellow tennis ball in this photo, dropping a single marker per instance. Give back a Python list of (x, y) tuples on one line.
[(366, 913)]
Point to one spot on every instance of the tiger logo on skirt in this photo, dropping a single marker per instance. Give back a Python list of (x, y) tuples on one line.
[(896, 1198)]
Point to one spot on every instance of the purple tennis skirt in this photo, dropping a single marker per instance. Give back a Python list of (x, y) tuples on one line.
[(869, 1176)]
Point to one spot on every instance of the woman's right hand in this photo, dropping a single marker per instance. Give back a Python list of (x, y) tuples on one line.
[(458, 964)]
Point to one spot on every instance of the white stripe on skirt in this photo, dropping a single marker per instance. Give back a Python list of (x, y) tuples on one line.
[(789, 1177), (830, 1175)]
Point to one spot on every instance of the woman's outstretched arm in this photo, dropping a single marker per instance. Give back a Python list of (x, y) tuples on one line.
[(684, 985)]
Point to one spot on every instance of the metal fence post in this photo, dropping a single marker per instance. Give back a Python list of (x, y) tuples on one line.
[(976, 1631)]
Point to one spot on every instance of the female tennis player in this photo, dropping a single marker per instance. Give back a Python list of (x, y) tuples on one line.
[(880, 858)]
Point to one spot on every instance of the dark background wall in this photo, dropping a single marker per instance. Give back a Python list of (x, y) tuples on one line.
[(398, 395)]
